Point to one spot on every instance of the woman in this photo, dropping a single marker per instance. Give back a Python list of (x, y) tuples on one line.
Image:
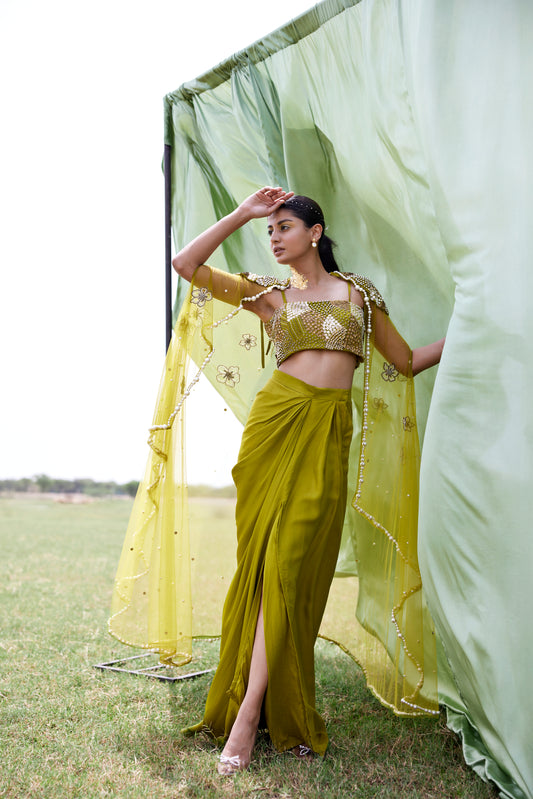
[(291, 475)]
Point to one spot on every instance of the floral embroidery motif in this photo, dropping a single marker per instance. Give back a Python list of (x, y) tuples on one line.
[(201, 296), (228, 375), (183, 325), (379, 404), (408, 423), (248, 341), (389, 373)]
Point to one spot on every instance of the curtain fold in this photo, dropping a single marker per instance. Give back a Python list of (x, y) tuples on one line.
[(410, 122)]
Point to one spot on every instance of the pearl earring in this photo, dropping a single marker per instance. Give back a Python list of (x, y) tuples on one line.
[(313, 244)]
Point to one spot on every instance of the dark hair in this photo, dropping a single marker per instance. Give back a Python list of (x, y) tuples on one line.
[(311, 214)]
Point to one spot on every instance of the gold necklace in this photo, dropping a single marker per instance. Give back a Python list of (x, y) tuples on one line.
[(298, 281)]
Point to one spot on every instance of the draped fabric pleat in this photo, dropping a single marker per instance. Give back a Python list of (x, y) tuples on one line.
[(288, 541)]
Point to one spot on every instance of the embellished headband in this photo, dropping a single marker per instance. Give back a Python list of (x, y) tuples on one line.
[(293, 202)]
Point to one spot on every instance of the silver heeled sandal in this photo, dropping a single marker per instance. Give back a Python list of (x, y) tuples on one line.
[(302, 751), (229, 765)]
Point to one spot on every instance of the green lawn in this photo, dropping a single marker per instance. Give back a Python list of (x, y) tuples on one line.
[(68, 730)]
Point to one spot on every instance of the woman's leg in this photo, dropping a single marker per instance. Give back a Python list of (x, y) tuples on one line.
[(242, 736)]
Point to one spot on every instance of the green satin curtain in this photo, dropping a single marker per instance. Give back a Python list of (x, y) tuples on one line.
[(410, 121)]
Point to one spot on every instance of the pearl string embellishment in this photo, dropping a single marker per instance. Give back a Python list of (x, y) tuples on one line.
[(204, 363)]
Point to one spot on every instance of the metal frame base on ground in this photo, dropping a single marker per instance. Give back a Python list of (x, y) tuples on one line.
[(155, 670)]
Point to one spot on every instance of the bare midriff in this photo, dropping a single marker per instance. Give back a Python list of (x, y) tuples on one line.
[(321, 368)]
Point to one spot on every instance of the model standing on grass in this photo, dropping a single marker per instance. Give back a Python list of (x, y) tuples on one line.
[(291, 475)]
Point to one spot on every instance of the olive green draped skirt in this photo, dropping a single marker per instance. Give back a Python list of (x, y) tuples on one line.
[(291, 479)]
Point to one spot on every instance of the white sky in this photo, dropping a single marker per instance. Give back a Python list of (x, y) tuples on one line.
[(81, 215)]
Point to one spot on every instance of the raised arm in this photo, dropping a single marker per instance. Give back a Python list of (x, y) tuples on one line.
[(261, 204), (396, 351)]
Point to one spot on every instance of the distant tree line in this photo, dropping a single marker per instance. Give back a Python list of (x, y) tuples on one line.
[(83, 485), (93, 488)]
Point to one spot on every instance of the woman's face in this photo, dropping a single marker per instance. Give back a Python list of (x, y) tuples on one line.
[(290, 239)]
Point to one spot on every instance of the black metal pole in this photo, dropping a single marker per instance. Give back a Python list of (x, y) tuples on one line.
[(168, 247)]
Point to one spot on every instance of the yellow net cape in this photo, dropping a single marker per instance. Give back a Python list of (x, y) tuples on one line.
[(170, 586)]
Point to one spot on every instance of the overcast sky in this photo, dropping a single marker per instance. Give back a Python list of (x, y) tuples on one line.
[(81, 244)]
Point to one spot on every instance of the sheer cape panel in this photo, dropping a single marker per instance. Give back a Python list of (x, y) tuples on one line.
[(391, 634)]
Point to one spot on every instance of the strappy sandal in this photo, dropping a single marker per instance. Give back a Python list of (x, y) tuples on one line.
[(302, 751), (228, 765)]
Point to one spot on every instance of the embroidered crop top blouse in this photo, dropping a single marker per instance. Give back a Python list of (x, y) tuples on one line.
[(316, 325)]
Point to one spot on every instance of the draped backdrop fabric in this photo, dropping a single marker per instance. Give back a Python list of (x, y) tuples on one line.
[(410, 121)]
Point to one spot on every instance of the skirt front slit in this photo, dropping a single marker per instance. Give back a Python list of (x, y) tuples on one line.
[(291, 497)]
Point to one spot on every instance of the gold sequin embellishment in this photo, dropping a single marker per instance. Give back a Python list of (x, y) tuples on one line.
[(317, 325)]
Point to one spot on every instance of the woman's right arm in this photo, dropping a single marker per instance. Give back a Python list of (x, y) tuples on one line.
[(261, 204), (201, 248)]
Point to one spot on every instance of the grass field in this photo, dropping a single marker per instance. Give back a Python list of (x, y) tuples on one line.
[(69, 730)]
